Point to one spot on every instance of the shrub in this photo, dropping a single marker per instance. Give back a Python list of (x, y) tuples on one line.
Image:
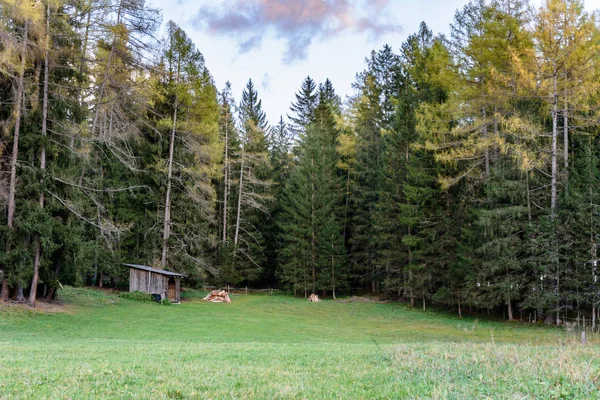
[(166, 302), (136, 296)]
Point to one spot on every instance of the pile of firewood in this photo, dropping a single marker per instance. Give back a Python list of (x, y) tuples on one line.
[(217, 296), (313, 298)]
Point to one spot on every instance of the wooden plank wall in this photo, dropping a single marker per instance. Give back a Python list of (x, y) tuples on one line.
[(147, 282), (136, 282), (158, 283)]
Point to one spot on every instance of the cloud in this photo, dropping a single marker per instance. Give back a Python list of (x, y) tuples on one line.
[(379, 4), (266, 82), (250, 44), (298, 23)]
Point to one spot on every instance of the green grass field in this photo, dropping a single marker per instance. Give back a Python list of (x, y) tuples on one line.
[(270, 347)]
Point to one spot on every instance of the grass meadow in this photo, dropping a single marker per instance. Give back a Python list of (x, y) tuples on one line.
[(98, 345)]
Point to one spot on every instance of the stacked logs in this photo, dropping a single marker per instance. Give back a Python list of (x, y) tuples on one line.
[(217, 296), (313, 298)]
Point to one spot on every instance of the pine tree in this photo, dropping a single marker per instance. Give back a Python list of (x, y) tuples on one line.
[(44, 132), (304, 107), (61, 231), (371, 113), (18, 20), (408, 208), (312, 254), (280, 159), (251, 112), (328, 96), (581, 281)]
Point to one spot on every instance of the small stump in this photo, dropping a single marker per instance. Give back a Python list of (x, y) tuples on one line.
[(313, 298), (217, 296)]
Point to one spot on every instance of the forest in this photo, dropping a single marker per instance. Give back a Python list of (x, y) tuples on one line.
[(463, 172)]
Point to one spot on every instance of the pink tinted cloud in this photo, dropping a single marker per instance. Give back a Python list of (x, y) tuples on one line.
[(380, 4), (298, 22)]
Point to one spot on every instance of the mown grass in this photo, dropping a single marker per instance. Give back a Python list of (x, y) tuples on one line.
[(269, 347)]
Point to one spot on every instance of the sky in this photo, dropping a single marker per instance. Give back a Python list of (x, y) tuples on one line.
[(277, 43)]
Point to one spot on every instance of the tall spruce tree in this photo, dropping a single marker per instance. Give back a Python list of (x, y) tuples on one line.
[(312, 253), (303, 108), (407, 208), (371, 113)]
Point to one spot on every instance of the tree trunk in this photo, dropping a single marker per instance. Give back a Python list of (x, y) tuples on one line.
[(332, 267), (19, 296), (313, 233), (566, 129), (554, 146), (52, 289), (38, 245), (510, 310), (239, 205), (17, 115), (50, 294), (487, 149), (105, 78), (167, 218), (82, 63), (36, 270), (226, 181), (410, 272), (529, 216), (410, 288), (496, 134), (4, 291), (557, 291), (15, 151), (347, 205)]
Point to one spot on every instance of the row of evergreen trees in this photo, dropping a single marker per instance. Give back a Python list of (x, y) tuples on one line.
[(464, 171)]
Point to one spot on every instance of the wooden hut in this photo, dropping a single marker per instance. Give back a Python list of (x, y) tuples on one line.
[(155, 281)]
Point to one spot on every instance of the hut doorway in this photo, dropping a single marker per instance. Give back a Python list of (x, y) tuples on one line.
[(171, 290)]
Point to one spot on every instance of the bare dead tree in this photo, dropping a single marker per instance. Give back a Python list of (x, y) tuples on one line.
[(37, 240)]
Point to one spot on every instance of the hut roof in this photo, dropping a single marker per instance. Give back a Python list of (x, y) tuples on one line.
[(156, 271)]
